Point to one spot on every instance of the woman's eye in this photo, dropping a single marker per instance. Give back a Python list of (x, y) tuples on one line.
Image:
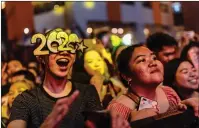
[(184, 72), (141, 60)]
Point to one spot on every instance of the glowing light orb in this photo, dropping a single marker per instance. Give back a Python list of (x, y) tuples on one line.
[(89, 30), (26, 30), (58, 10), (115, 40), (120, 30), (114, 30), (127, 39), (89, 4)]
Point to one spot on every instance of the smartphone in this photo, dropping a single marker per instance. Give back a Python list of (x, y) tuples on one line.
[(147, 103)]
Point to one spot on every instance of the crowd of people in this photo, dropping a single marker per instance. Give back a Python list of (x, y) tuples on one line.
[(66, 90)]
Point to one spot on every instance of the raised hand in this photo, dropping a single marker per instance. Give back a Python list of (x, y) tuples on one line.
[(59, 111)]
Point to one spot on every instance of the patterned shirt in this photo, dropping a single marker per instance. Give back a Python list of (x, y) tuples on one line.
[(125, 111), (34, 106)]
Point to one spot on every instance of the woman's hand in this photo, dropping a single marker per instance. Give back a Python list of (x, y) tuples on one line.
[(97, 80), (61, 108), (144, 113), (192, 102)]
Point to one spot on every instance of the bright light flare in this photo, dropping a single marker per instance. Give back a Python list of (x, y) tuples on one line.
[(89, 30), (3, 5), (26, 30), (114, 30), (120, 30), (127, 39)]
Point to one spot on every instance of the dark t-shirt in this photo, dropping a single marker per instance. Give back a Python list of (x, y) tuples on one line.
[(35, 105)]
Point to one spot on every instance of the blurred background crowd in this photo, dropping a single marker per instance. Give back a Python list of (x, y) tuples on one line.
[(167, 28)]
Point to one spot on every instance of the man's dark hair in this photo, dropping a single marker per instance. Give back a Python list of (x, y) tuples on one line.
[(28, 75), (156, 41)]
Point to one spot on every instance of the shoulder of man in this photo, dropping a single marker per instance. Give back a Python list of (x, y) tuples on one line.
[(29, 94)]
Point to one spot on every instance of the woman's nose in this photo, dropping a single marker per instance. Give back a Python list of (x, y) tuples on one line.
[(96, 64), (192, 74), (152, 63)]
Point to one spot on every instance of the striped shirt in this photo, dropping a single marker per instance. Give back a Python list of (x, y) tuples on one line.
[(34, 106), (125, 111)]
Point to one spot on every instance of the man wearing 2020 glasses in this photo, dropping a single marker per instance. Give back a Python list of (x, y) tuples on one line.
[(58, 102)]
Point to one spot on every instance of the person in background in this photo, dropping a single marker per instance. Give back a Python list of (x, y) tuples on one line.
[(59, 102), (36, 74), (118, 50), (32, 64), (191, 52), (15, 89), (7, 70), (14, 66), (22, 75), (142, 72), (97, 73), (163, 45), (182, 77)]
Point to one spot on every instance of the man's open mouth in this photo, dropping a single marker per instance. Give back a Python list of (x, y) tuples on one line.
[(62, 62)]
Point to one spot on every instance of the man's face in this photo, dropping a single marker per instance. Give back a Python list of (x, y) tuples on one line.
[(167, 53), (60, 64)]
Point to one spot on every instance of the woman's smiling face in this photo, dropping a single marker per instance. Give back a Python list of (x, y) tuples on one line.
[(93, 62), (187, 76)]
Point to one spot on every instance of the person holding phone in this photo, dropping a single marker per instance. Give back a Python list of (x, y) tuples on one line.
[(142, 72)]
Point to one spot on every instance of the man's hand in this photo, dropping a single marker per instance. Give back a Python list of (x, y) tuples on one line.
[(192, 102), (61, 108)]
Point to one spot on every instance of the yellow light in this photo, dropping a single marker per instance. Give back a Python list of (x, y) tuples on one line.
[(68, 31), (127, 39), (114, 30), (120, 31), (115, 40), (89, 30), (146, 31), (89, 4), (26, 30), (58, 10), (56, 6), (3, 5)]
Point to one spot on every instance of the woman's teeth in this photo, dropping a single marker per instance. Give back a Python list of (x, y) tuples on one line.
[(193, 81)]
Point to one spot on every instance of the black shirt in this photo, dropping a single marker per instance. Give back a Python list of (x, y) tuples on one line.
[(35, 105)]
